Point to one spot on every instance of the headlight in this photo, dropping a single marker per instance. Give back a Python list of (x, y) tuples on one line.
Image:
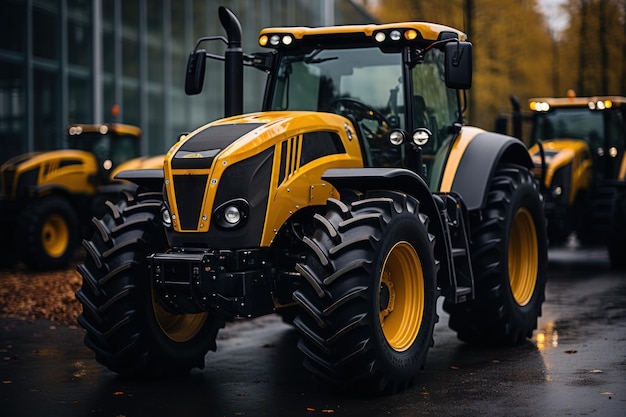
[(395, 35), (231, 214), (166, 217), (380, 36), (396, 137), (421, 136)]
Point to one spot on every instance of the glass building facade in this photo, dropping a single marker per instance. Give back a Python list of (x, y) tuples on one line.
[(95, 61)]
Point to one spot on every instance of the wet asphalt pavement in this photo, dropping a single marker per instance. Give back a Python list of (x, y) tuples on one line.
[(575, 365)]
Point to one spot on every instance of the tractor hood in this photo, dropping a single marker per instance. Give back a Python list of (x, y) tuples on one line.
[(237, 138), (143, 162), (69, 169), (266, 165), (558, 152), (33, 159), (571, 155)]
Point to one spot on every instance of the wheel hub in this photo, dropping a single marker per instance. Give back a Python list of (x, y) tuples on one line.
[(523, 257), (401, 296), (387, 296), (55, 236)]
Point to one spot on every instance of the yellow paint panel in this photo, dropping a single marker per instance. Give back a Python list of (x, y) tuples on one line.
[(454, 159), (566, 151), (276, 127), (429, 31)]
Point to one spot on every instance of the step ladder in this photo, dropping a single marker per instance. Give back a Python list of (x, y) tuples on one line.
[(455, 224)]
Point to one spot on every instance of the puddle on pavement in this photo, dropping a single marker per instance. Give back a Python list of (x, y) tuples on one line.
[(547, 337)]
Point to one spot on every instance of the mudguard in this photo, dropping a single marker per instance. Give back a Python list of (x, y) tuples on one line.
[(480, 153), (151, 179), (398, 179)]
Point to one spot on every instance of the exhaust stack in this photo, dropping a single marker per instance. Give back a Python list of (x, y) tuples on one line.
[(233, 71)]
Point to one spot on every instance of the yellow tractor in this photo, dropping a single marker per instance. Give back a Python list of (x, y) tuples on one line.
[(578, 145), (48, 198), (347, 206)]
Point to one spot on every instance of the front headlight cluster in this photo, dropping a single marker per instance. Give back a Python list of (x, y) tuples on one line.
[(229, 215), (395, 35), (276, 40), (540, 106), (420, 137), (167, 217), (600, 105)]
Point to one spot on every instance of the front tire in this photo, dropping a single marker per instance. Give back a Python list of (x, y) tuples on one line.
[(48, 233), (368, 312), (509, 259), (128, 330)]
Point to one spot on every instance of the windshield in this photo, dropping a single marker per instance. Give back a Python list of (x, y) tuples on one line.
[(317, 80), (366, 85), (361, 84), (569, 123), (109, 150)]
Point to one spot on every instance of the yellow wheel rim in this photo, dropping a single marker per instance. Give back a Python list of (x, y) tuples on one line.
[(178, 327), (523, 257), (401, 296), (55, 236)]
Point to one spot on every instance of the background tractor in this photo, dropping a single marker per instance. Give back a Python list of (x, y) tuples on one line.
[(48, 198), (578, 145), (348, 205)]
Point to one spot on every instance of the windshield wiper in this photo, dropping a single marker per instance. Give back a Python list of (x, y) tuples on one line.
[(311, 58), (319, 60)]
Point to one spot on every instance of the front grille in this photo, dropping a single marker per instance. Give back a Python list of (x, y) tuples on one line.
[(189, 191)]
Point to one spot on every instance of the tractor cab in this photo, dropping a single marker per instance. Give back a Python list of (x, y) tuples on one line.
[(398, 85), (111, 144), (597, 124)]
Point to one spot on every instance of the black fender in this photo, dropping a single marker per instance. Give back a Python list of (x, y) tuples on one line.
[(478, 164), (396, 179), (405, 181), (148, 179)]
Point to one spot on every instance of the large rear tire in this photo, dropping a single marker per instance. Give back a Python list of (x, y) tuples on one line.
[(509, 259), (368, 312), (128, 330), (48, 233)]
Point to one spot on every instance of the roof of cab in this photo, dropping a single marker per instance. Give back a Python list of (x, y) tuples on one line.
[(426, 31)]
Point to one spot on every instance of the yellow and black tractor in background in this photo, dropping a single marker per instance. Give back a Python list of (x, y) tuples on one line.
[(48, 198), (348, 205), (578, 146)]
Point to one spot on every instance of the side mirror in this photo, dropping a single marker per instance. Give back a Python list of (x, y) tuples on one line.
[(459, 65), (194, 75)]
